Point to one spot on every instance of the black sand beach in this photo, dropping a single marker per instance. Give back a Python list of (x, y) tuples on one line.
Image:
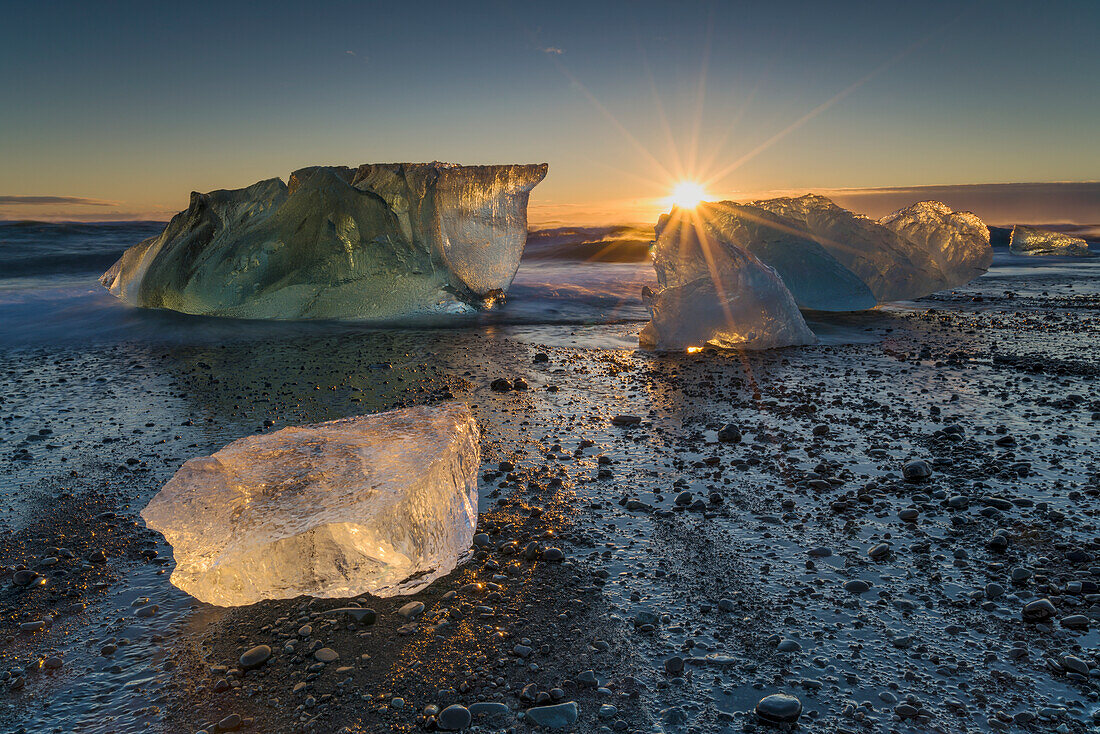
[(696, 575)]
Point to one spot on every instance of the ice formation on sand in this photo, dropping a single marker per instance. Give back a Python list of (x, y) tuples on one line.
[(383, 503), (1033, 241), (833, 260), (958, 242), (377, 242), (898, 257), (712, 292), (816, 279)]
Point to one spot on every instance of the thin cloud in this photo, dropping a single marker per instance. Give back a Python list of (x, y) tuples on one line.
[(54, 200), (554, 50)]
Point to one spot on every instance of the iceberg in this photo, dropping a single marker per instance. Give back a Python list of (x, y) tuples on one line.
[(381, 504), (898, 257), (713, 292), (957, 242), (1034, 241), (815, 277), (834, 260), (378, 242)]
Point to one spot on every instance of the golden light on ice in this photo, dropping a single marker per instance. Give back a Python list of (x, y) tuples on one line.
[(687, 195)]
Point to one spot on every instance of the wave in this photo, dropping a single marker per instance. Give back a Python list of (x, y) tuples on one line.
[(612, 244), (30, 249)]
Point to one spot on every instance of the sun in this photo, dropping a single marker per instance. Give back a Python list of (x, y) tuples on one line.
[(687, 195)]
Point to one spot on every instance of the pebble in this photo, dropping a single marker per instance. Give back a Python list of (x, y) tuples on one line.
[(857, 586), (787, 645), (412, 610), (916, 470), (326, 655), (1075, 664), (489, 708), (729, 433), (1039, 610), (553, 555), (255, 657), (1075, 622), (455, 717), (24, 577), (881, 550), (557, 716), (779, 708), (230, 723)]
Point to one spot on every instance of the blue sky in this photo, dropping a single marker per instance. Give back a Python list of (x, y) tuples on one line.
[(137, 104)]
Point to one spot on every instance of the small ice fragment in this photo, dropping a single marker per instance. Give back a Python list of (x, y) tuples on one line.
[(381, 504), (1033, 241)]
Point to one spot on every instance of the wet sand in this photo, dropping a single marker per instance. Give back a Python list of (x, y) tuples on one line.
[(699, 575)]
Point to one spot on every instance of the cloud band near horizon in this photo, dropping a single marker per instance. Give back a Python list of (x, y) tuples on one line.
[(13, 200)]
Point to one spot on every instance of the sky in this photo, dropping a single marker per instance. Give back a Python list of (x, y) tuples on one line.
[(119, 110)]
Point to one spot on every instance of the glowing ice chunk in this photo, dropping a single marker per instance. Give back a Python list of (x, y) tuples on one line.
[(1033, 241), (381, 504), (712, 292)]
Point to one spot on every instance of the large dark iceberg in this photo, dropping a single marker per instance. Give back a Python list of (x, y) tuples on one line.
[(378, 242)]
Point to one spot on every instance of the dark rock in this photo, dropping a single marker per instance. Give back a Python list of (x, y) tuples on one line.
[(779, 708), (255, 657), (916, 471), (454, 718)]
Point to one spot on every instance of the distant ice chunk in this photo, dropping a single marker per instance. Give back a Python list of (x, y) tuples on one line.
[(381, 504), (957, 242), (713, 292), (899, 257), (378, 242), (1034, 241)]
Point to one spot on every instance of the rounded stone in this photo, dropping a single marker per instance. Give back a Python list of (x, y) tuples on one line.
[(788, 645), (255, 657), (916, 470), (1075, 622), (779, 708), (230, 723), (24, 577), (553, 555), (729, 433), (412, 610), (1039, 610), (454, 718), (326, 655)]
